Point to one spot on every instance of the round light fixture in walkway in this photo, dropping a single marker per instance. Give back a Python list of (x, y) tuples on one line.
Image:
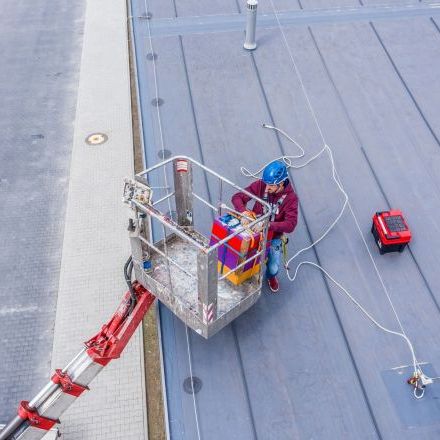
[(96, 138)]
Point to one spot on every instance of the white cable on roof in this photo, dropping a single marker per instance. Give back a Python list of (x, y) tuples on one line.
[(192, 383), (336, 178), (289, 164), (359, 305), (156, 89)]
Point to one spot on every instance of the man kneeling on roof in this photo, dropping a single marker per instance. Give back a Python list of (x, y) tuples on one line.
[(277, 191)]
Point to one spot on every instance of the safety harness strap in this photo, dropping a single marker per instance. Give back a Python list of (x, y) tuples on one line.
[(275, 207)]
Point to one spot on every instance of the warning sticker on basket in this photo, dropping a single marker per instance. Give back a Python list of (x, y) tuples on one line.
[(182, 166)]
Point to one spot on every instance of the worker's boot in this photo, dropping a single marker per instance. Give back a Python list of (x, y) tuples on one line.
[(274, 285)]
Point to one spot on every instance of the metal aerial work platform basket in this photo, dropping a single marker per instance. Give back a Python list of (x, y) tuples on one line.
[(171, 251)]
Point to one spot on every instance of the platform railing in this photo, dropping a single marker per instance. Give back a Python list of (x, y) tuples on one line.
[(181, 194)]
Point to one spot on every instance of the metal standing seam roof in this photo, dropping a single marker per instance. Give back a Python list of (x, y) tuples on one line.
[(306, 363)]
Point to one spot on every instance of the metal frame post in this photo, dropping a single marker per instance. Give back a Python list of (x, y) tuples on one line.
[(145, 232), (251, 6), (135, 241), (207, 278), (183, 188)]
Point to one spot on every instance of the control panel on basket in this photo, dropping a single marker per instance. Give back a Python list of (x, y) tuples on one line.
[(136, 191)]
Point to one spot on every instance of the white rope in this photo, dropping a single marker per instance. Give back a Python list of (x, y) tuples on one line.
[(288, 161), (156, 89), (298, 73), (361, 308), (335, 176), (156, 92), (192, 383)]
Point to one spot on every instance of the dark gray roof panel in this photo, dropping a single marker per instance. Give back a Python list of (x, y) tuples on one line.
[(307, 363)]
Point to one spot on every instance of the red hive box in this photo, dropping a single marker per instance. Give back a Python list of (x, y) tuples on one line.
[(390, 231)]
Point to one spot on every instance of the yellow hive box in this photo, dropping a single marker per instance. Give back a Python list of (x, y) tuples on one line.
[(238, 276)]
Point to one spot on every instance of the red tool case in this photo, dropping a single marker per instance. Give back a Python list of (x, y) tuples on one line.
[(390, 231)]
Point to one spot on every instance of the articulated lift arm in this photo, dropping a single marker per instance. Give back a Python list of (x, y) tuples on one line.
[(36, 417)]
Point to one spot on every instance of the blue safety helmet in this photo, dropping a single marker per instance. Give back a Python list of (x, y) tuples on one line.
[(275, 173)]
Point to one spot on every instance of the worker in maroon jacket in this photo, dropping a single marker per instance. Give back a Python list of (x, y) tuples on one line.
[(277, 191)]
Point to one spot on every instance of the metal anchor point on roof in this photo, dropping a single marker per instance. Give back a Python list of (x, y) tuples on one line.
[(251, 6)]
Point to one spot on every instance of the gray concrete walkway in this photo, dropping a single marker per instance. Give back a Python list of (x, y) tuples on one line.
[(95, 238), (61, 213)]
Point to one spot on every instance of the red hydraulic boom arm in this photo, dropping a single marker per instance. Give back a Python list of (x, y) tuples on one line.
[(38, 416)]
